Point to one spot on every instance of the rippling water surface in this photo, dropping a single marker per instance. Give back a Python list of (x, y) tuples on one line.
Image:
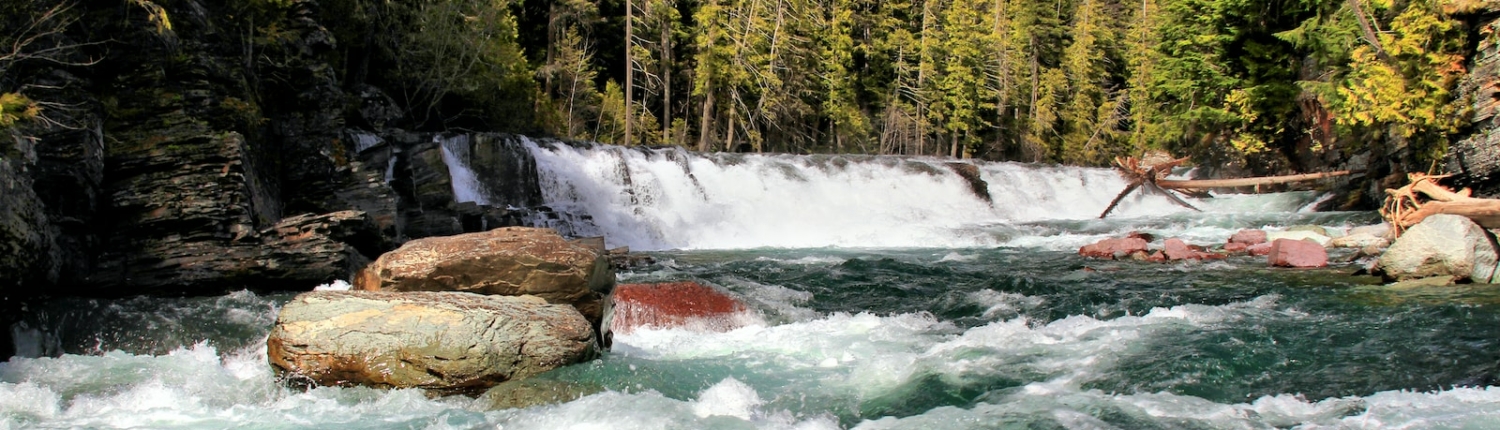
[(1021, 334)]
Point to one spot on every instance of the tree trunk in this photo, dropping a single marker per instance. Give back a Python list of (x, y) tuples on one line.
[(629, 69), (1246, 182), (705, 120), (1485, 212)]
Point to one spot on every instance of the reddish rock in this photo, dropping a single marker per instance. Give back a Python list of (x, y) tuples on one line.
[(1259, 249), (1248, 237), (1176, 249), (676, 305), (1297, 253), (1148, 237), (1232, 247), (1157, 257), (1109, 248)]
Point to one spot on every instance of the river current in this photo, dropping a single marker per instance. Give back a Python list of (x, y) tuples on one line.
[(911, 315)]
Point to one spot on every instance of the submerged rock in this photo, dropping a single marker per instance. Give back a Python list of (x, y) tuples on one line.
[(1359, 240), (686, 305), (1259, 249), (1248, 237), (525, 393), (1441, 245), (441, 341), (508, 261), (1321, 239), (1176, 249), (1296, 253), (1111, 248)]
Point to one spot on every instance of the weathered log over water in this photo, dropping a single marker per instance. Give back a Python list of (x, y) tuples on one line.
[(1246, 182), (1144, 174), (1423, 197)]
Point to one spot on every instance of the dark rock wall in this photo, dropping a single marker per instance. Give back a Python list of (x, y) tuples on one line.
[(213, 154), (1475, 158)]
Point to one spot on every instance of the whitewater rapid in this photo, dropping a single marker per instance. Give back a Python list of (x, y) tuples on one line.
[(668, 198), (798, 375)]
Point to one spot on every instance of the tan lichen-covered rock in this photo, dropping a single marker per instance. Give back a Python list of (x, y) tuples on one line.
[(508, 261), (442, 341), (1441, 245)]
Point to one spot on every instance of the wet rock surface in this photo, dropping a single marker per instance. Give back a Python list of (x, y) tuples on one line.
[(508, 261), (685, 305), (1296, 253), (446, 342), (1441, 245)]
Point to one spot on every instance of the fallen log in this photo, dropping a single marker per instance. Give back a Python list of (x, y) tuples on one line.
[(1485, 212), (1149, 178), (1246, 182)]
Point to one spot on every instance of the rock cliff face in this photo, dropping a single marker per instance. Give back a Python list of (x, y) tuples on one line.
[(1476, 158), (209, 155)]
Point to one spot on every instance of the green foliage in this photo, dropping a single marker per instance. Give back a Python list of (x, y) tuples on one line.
[(15, 108)]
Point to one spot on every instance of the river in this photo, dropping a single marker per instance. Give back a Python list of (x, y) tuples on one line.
[(885, 295)]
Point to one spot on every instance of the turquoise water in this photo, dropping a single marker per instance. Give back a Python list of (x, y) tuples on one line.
[(1021, 335)]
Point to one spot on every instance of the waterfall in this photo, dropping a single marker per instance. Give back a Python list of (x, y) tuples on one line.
[(466, 186), (670, 198), (365, 141)]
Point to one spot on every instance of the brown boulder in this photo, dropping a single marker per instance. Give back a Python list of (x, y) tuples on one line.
[(1297, 253), (508, 261), (676, 305), (1248, 237), (1114, 247), (446, 342)]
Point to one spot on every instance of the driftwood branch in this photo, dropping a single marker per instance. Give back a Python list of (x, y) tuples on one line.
[(1423, 197), (1247, 182), (1150, 178)]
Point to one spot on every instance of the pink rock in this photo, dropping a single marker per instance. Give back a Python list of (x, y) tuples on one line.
[(1235, 247), (1259, 249), (1297, 253), (1176, 249), (676, 305), (1148, 237), (1157, 257), (1109, 248), (1248, 237)]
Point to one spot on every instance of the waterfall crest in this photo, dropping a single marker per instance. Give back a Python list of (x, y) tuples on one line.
[(669, 198)]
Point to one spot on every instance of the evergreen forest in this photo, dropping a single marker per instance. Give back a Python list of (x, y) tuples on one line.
[(1251, 83)]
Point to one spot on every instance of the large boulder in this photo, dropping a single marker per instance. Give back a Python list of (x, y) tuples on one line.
[(509, 261), (685, 305), (1441, 245), (1296, 253), (446, 342)]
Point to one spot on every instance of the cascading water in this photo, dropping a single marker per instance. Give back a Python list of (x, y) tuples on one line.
[(466, 186), (674, 199)]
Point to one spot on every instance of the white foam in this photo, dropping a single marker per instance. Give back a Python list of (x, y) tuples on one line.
[(669, 198), (729, 397), (336, 285), (1003, 304)]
